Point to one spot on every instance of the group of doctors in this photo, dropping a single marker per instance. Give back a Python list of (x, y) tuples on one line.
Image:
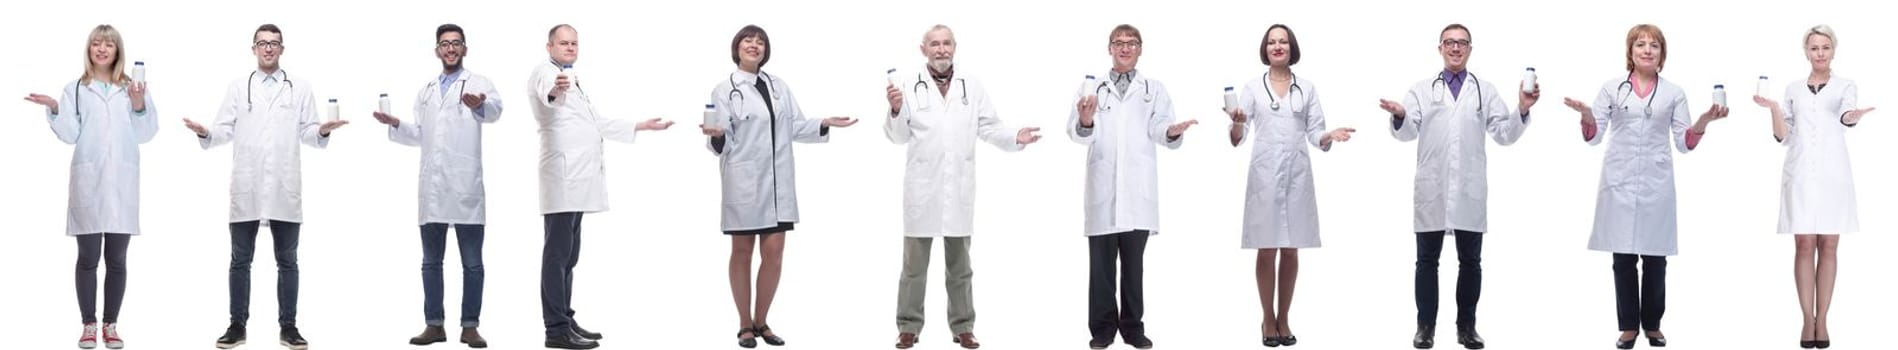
[(753, 120)]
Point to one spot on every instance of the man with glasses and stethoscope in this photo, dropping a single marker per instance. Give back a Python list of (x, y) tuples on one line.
[(940, 121), (449, 112), (266, 114), (1452, 174)]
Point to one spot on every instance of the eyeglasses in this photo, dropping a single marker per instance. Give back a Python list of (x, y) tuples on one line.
[(262, 44), (1124, 44), (451, 43), (1456, 42)]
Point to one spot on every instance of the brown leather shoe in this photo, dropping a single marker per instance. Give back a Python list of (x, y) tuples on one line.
[(434, 334), (905, 340), (472, 338), (968, 341)]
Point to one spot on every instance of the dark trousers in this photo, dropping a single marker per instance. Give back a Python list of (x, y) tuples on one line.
[(557, 259), (1469, 276), (243, 246), (1640, 300), (86, 274), (473, 275), (1103, 319)]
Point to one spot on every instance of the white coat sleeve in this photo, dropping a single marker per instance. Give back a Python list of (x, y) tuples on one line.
[(1848, 101), (66, 124), (145, 124), (1080, 135), (1162, 119), (219, 132), (1411, 125), (620, 130), (1790, 114), (1682, 120), (542, 85), (409, 132), (310, 124), (990, 128), (803, 129), (1246, 103), (490, 110), (1314, 118), (1602, 109), (896, 127), (1504, 126), (718, 144)]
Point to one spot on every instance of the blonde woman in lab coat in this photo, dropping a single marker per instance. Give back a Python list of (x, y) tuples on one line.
[(106, 116), (1280, 113), (1635, 208), (1817, 200), (758, 120)]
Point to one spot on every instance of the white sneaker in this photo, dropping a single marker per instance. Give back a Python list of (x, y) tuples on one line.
[(111, 336), (89, 339)]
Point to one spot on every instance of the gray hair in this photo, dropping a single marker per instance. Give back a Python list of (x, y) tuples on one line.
[(933, 29), (1823, 30)]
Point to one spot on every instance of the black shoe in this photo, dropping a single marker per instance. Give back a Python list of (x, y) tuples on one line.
[(1426, 337), (291, 339), (232, 337), (744, 342), (1098, 344), (1808, 344), (1289, 340), (1270, 342), (1467, 336), (771, 339), (1138, 341), (1822, 343), (430, 335), (571, 341), (583, 333), (1624, 343)]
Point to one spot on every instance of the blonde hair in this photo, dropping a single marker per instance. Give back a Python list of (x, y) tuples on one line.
[(106, 33), (1651, 31), (1822, 30)]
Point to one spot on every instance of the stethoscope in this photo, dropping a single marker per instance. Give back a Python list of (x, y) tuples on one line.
[(1288, 91), (738, 97), (1626, 89), (922, 85), (1446, 89), (461, 86), (1148, 97), (251, 106)]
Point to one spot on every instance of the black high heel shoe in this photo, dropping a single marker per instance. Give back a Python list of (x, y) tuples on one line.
[(747, 343), (1288, 340), (1271, 342), (1658, 342), (1624, 343), (1822, 343), (760, 330), (1808, 344)]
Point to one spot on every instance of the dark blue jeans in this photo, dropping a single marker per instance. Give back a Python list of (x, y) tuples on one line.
[(473, 275), (243, 245)]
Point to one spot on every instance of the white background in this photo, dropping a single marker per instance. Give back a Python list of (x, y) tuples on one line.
[(653, 275)]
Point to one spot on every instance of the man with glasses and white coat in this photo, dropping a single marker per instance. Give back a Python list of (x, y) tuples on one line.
[(1452, 174), (940, 114), (449, 113), (266, 114), (1121, 119)]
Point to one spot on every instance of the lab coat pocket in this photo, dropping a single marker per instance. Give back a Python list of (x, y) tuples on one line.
[(465, 182), (740, 183), (87, 185)]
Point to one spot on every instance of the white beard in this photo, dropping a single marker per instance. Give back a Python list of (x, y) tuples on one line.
[(941, 65)]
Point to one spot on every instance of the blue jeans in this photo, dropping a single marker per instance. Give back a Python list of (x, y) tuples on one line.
[(434, 245), (243, 245)]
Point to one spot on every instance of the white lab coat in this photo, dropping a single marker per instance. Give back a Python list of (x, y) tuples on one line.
[(1122, 191), (572, 158), (756, 167), (102, 196), (1452, 185), (267, 122), (450, 188), (1635, 208), (1281, 209), (1816, 193), (941, 131)]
